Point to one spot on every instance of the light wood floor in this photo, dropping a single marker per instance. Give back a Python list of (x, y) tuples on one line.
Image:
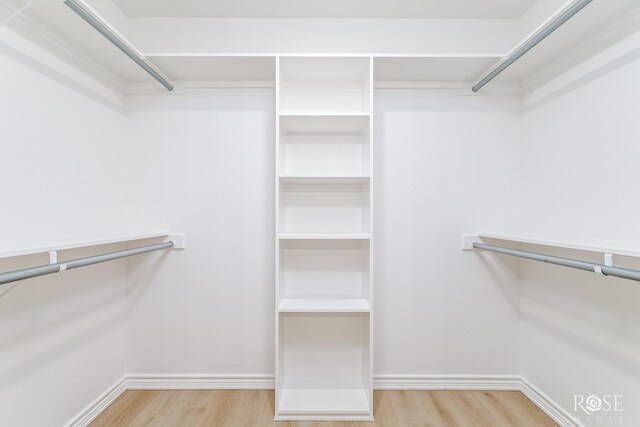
[(237, 408)]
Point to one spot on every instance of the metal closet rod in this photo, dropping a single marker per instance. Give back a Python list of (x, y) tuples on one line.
[(529, 44), (606, 270), (113, 38), (42, 270)]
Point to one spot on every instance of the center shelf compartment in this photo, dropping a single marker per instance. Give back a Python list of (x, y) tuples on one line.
[(324, 366), (324, 83), (324, 145), (324, 208), (324, 276)]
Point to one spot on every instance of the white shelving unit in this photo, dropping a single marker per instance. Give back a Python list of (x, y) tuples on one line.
[(324, 238)]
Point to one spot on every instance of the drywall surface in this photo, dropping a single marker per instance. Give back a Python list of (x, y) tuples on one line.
[(581, 332), (208, 171), (206, 168), (62, 337), (445, 164)]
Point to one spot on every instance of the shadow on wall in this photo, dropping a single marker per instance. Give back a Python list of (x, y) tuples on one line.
[(50, 71), (142, 271), (503, 272), (588, 77), (595, 315), (46, 319)]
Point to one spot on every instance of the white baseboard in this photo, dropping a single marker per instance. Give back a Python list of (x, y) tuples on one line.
[(96, 407), (194, 382), (551, 408), (446, 382), (380, 382)]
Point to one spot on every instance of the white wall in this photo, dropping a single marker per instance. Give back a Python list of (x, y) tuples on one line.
[(206, 165), (64, 167), (581, 332), (209, 159), (445, 164)]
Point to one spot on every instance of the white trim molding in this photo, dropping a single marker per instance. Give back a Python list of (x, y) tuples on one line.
[(96, 407), (446, 382), (195, 382), (548, 406)]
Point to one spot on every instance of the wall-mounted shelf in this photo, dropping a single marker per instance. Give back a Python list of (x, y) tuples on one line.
[(590, 245), (396, 71), (309, 83), (229, 70), (8, 250)]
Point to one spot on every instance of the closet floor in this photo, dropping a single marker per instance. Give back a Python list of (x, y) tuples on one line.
[(237, 408)]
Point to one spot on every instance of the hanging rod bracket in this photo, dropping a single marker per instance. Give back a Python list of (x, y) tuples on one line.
[(467, 240), (53, 257), (608, 260), (179, 241)]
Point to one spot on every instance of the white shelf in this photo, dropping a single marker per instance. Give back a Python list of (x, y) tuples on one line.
[(317, 305), (324, 236), (8, 250), (217, 68), (415, 69), (323, 113), (315, 402), (324, 179), (601, 246)]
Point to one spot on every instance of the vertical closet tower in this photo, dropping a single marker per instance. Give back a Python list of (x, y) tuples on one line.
[(324, 224)]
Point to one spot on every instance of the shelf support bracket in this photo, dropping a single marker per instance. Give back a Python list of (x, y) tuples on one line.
[(179, 241)]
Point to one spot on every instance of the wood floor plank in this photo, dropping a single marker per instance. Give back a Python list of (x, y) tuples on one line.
[(237, 408)]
